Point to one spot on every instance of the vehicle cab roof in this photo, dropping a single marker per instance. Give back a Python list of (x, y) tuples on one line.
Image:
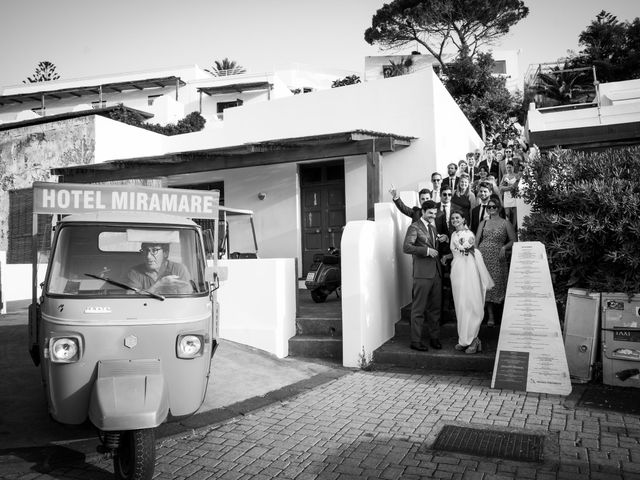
[(129, 217)]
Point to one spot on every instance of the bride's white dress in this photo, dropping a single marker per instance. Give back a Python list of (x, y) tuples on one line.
[(470, 281)]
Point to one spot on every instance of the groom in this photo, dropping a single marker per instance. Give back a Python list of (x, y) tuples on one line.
[(421, 242)]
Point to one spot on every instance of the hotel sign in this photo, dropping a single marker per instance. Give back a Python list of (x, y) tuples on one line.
[(52, 198)]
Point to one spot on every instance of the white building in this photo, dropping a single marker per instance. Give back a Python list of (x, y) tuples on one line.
[(307, 165), (611, 119), (506, 65)]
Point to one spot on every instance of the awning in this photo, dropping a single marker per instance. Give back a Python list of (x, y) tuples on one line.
[(77, 92), (283, 150), (104, 111), (236, 88)]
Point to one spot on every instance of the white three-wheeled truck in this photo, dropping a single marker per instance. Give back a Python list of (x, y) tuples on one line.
[(118, 341)]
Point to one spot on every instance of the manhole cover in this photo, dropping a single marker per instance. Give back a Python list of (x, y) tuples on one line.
[(490, 443)]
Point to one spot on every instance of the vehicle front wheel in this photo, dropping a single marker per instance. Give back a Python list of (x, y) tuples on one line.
[(135, 457), (318, 296)]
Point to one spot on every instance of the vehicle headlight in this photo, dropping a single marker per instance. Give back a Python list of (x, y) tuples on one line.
[(64, 349), (190, 346)]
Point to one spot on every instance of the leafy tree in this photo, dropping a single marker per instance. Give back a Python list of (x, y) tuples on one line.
[(481, 96), (224, 67), (45, 72), (348, 80), (439, 25), (613, 47)]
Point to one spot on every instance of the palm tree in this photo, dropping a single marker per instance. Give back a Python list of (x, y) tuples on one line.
[(45, 71), (226, 67)]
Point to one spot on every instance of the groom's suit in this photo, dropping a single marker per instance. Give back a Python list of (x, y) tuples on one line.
[(427, 282)]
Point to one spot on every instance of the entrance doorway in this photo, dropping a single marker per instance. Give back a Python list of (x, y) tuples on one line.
[(323, 209)]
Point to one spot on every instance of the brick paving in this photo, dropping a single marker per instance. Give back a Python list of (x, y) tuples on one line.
[(381, 425)]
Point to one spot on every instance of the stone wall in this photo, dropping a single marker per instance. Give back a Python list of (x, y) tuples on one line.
[(28, 153)]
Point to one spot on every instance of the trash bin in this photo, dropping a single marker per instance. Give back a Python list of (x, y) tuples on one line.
[(582, 333), (621, 340)]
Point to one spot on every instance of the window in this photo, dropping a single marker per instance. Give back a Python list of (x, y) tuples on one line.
[(500, 67), (206, 223), (151, 99), (222, 106)]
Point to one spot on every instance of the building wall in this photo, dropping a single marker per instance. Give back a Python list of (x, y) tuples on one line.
[(115, 139), (28, 153)]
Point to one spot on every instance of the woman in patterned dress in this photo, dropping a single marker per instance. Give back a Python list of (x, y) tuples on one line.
[(494, 238)]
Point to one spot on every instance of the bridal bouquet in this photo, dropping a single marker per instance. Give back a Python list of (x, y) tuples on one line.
[(464, 242)]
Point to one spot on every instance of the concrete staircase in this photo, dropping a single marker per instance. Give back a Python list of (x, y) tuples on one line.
[(318, 328), (396, 352)]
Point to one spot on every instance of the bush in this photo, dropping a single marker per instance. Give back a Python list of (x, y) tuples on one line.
[(586, 211), (193, 122)]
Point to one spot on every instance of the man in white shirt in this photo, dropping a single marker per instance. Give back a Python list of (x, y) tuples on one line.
[(479, 212), (436, 181)]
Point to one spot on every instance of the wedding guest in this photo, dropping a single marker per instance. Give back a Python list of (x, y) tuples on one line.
[(463, 199), (494, 239), (451, 180), (436, 181), (414, 212), (470, 281), (508, 188), (479, 212)]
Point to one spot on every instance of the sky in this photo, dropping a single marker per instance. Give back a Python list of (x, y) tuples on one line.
[(88, 37)]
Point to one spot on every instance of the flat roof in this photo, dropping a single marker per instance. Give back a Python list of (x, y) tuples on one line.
[(76, 92)]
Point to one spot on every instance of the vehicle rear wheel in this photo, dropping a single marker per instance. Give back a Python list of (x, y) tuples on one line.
[(135, 458), (318, 296)]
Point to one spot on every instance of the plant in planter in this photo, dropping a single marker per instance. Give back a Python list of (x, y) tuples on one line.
[(586, 211)]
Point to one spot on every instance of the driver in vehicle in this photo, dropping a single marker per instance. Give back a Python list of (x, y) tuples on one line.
[(158, 274)]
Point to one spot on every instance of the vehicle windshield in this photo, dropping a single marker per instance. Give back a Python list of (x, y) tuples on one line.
[(91, 260)]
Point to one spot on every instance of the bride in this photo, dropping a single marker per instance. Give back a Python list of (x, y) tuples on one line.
[(470, 280)]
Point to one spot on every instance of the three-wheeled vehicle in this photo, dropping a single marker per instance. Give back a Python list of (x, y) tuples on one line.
[(126, 324)]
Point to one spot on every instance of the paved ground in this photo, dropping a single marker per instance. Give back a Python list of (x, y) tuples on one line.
[(379, 425), (269, 418)]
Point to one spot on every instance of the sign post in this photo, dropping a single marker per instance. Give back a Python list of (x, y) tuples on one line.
[(531, 353)]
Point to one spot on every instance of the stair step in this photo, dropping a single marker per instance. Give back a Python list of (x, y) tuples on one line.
[(397, 353), (331, 327), (448, 329), (315, 346)]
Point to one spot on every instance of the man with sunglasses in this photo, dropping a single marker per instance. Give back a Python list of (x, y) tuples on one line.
[(436, 181), (158, 274)]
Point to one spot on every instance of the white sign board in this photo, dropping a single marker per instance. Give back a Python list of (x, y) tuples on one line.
[(531, 353), (71, 198)]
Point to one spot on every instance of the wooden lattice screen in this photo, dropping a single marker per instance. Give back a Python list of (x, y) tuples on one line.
[(20, 232)]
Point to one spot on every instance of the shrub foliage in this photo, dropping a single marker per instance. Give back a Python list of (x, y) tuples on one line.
[(586, 211), (193, 122)]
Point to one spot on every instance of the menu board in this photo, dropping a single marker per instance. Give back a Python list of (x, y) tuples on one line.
[(531, 353)]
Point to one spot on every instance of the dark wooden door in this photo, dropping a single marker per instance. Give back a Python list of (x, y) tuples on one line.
[(323, 212)]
